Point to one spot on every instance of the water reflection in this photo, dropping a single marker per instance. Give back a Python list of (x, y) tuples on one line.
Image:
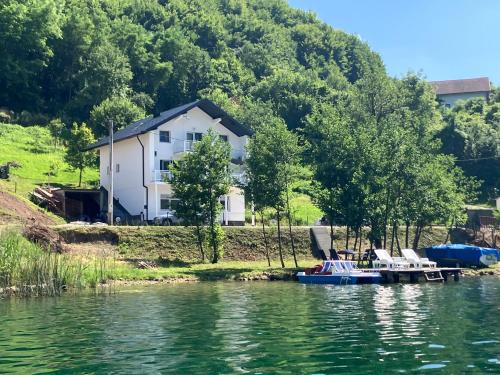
[(228, 328)]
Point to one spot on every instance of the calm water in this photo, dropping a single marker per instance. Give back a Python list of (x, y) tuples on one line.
[(258, 328)]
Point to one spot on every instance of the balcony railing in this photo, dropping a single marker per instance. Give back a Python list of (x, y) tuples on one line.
[(161, 176), (183, 146), (238, 177)]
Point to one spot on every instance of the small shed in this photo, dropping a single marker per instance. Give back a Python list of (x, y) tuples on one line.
[(79, 204)]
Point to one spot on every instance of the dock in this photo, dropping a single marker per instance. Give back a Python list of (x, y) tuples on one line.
[(414, 275)]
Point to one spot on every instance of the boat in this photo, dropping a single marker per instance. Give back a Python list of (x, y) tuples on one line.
[(339, 272), (462, 255)]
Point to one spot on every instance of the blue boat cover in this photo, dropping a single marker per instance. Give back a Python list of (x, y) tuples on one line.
[(466, 255)]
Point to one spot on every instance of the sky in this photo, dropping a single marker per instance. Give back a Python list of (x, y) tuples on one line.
[(444, 39)]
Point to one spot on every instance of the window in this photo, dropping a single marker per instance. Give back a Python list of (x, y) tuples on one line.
[(165, 165), (223, 137), (164, 202), (167, 203), (191, 136), (164, 136), (222, 201)]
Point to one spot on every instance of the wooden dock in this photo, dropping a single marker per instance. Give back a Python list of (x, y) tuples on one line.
[(414, 275)]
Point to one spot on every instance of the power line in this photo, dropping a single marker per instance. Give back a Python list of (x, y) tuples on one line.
[(486, 158)]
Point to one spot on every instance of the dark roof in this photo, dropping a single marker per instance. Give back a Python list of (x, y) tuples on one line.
[(458, 86), (152, 123)]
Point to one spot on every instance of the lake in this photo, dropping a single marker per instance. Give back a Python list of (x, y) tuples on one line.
[(258, 328)]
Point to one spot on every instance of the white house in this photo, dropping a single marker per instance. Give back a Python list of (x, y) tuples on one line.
[(448, 92), (143, 152)]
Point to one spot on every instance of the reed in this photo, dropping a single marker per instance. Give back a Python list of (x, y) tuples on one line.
[(28, 270)]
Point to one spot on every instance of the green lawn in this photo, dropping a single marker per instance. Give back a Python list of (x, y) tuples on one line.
[(225, 270), (304, 212), (37, 152)]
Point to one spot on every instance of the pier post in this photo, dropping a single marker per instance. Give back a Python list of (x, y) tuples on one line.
[(414, 277), (395, 277)]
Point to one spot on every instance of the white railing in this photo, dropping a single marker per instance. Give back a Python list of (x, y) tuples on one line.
[(183, 146), (161, 176), (238, 155), (238, 177)]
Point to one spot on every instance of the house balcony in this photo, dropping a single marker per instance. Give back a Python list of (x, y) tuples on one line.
[(238, 177), (181, 146), (161, 176)]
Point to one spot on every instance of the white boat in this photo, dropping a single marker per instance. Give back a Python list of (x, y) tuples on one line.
[(339, 272)]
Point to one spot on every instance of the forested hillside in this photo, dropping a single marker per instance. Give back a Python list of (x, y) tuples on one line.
[(472, 135), (80, 59), (66, 61)]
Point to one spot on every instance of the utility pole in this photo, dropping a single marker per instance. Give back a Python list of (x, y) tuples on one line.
[(110, 190)]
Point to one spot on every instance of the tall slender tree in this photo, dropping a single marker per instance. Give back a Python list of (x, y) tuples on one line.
[(272, 163), (80, 138), (199, 180)]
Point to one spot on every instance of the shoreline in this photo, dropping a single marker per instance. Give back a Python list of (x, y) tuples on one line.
[(269, 277)]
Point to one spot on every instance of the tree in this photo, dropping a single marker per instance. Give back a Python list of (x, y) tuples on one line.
[(272, 167), (121, 110), (26, 29), (199, 179), (80, 138)]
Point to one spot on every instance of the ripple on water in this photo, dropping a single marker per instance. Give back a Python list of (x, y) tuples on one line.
[(256, 328)]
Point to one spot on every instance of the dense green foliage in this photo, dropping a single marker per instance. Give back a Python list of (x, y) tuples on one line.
[(71, 58), (372, 141), (376, 163), (472, 135)]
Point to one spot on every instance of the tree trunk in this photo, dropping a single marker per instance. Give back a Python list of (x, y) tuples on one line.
[(407, 234), (280, 249), (347, 237), (360, 243), (356, 232), (290, 229), (265, 240), (200, 242), (80, 179), (386, 218), (397, 239), (392, 238), (215, 258), (448, 232), (331, 237), (416, 239)]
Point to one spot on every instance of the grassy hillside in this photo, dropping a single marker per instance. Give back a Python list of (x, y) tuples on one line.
[(41, 160)]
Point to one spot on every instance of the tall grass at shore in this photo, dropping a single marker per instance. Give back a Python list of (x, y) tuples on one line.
[(28, 270)]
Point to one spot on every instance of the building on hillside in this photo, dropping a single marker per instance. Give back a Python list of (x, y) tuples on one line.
[(448, 92), (144, 150)]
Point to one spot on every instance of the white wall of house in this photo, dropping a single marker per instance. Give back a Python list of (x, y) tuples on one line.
[(449, 100), (128, 184), (127, 177)]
